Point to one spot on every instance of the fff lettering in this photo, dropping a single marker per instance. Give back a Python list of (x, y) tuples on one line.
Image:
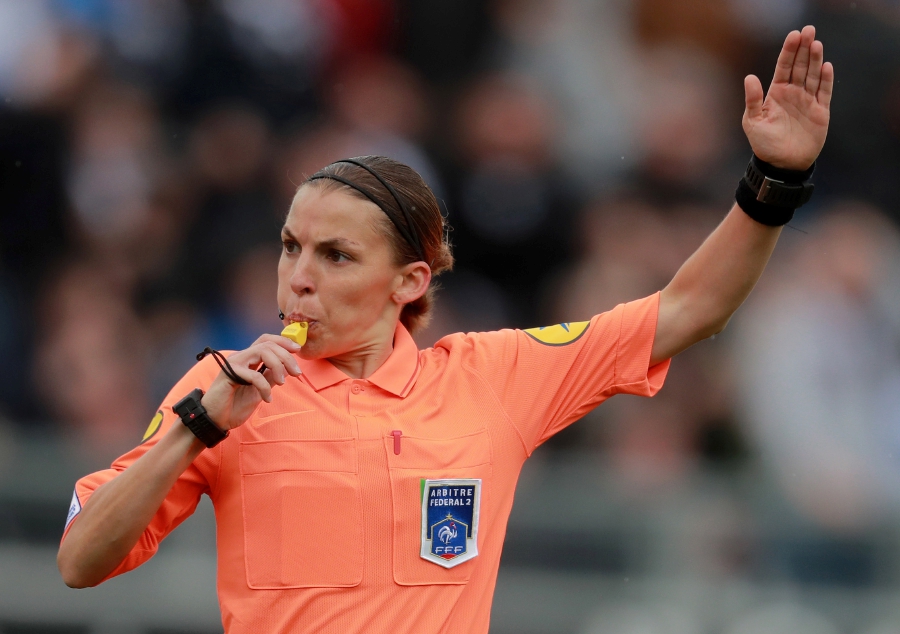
[(449, 550)]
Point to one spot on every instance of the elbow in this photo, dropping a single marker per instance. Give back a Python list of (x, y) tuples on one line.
[(702, 331), (712, 329), (72, 574), (718, 326)]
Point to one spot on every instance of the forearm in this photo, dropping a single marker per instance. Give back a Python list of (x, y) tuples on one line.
[(713, 283), (117, 513)]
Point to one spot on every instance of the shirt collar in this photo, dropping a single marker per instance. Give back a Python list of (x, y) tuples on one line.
[(397, 375)]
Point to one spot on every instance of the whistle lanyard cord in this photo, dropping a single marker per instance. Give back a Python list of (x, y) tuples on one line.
[(224, 365)]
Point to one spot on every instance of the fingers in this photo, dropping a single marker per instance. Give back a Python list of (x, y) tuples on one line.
[(274, 355), (753, 96), (801, 59), (287, 359), (826, 84), (814, 75), (279, 363), (275, 370), (785, 62), (256, 379)]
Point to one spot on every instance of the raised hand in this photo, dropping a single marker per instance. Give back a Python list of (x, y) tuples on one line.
[(788, 128)]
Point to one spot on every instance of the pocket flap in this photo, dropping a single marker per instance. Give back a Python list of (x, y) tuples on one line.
[(444, 453), (298, 455)]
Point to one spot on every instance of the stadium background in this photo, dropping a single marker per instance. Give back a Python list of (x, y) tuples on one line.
[(582, 149)]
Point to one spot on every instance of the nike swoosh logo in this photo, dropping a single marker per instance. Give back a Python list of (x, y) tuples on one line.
[(266, 419)]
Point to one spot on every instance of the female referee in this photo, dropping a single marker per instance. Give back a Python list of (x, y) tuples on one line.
[(365, 485)]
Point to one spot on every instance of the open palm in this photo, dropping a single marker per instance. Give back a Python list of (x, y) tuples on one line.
[(788, 128)]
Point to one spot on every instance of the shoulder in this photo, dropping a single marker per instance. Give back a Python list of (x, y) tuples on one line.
[(470, 345)]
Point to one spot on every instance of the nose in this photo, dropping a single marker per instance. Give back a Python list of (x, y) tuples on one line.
[(303, 279)]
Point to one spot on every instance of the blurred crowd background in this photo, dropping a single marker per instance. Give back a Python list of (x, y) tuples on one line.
[(582, 149)]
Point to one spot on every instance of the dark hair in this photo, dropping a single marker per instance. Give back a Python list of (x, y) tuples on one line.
[(428, 224)]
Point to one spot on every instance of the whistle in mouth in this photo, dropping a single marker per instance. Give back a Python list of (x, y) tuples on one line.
[(296, 332)]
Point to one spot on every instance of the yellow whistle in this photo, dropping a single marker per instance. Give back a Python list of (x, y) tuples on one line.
[(296, 332)]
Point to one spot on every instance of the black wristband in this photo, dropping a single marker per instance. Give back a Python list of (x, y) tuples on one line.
[(770, 195), (195, 418)]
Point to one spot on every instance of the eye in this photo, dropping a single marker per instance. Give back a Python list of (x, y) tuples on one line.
[(290, 247), (338, 257)]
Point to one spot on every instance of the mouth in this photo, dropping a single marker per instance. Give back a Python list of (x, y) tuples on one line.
[(297, 317)]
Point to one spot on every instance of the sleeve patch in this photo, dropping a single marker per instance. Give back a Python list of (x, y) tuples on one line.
[(153, 427), (559, 335), (74, 509)]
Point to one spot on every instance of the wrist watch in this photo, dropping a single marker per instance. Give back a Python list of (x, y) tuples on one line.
[(780, 188), (195, 418)]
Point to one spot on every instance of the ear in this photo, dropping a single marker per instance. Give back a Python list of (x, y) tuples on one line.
[(413, 282)]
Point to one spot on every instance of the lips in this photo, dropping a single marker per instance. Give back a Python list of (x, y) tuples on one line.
[(297, 317)]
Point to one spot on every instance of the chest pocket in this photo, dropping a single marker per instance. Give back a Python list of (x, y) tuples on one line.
[(302, 513), (463, 458)]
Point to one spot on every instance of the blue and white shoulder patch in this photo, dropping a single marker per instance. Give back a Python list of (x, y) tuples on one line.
[(74, 509), (450, 510)]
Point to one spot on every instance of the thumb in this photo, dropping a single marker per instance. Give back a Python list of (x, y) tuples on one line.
[(753, 96)]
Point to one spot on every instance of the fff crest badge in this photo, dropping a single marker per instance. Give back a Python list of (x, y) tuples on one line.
[(450, 511)]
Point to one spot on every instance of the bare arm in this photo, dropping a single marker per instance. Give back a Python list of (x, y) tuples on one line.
[(117, 514), (787, 129)]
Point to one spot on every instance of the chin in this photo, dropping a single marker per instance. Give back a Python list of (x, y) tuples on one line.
[(314, 349), (310, 352)]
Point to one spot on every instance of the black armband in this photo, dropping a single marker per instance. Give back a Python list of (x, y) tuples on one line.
[(769, 194), (195, 418)]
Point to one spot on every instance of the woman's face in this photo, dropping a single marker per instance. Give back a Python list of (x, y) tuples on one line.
[(337, 273)]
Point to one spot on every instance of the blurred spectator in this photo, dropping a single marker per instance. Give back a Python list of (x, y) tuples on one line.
[(688, 121), (710, 25), (361, 27), (265, 53), (114, 163), (177, 331), (819, 366), (468, 302), (445, 41), (90, 358), (377, 105), (584, 54), (630, 250), (229, 152), (862, 156), (249, 308), (767, 21), (272, 30), (513, 218), (43, 61)]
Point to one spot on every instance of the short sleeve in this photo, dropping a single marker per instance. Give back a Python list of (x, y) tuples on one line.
[(185, 494), (547, 378)]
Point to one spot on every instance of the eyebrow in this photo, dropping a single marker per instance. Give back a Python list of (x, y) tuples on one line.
[(327, 244)]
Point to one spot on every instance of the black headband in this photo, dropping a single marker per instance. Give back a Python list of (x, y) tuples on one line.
[(408, 232)]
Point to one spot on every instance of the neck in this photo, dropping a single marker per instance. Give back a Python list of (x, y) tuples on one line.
[(363, 362)]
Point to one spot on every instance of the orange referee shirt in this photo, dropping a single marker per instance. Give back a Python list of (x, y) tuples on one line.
[(380, 504)]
